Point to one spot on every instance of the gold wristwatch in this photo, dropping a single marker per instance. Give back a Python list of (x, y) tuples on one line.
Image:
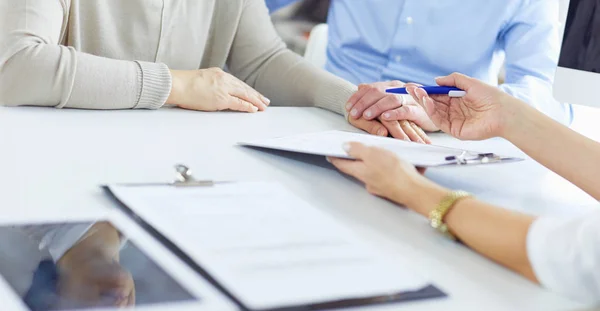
[(436, 216)]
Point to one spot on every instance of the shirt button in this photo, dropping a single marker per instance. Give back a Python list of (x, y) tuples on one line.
[(398, 58), (409, 20)]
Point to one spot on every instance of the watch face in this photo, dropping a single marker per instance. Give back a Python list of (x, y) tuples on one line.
[(82, 266)]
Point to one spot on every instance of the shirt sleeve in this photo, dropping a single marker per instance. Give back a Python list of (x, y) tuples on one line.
[(565, 255), (57, 239), (275, 5), (260, 58), (532, 45), (32, 58)]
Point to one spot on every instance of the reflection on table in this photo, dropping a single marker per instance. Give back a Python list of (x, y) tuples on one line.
[(101, 269)]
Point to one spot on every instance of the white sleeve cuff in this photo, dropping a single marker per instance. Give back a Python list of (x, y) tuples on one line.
[(59, 240), (564, 253)]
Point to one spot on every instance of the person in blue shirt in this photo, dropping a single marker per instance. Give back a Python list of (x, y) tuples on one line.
[(398, 41)]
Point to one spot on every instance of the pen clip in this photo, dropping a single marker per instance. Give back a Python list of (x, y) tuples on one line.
[(184, 178)]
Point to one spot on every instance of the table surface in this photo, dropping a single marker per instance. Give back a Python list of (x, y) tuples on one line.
[(53, 161)]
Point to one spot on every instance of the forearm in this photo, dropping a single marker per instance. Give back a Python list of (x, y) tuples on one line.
[(32, 58), (259, 58), (63, 77), (562, 150), (496, 233), (499, 234), (288, 80), (537, 93)]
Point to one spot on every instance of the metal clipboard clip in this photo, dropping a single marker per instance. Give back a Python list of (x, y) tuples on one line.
[(469, 158), (184, 178)]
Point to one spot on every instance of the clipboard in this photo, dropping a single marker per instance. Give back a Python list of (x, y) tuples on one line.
[(185, 179), (329, 144)]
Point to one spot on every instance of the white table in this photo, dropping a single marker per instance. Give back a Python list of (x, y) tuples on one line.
[(52, 161)]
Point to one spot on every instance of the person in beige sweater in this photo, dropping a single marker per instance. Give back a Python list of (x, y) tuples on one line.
[(144, 54)]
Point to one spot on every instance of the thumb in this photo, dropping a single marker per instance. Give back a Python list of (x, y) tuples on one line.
[(357, 151), (430, 108), (457, 80), (437, 114), (401, 113)]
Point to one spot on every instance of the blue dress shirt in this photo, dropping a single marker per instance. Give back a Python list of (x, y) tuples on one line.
[(275, 5), (418, 40)]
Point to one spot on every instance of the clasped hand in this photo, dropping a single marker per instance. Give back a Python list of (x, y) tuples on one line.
[(379, 113), (485, 112), (370, 108)]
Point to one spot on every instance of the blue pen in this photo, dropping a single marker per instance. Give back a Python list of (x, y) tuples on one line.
[(433, 90)]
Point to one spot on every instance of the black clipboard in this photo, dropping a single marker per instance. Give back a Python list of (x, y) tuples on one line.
[(449, 158), (185, 179)]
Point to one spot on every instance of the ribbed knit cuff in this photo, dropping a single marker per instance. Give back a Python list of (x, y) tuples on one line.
[(155, 85)]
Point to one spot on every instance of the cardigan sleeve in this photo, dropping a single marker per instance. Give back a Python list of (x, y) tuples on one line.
[(36, 70), (259, 57)]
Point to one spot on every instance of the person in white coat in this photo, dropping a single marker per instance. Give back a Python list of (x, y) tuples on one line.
[(562, 254)]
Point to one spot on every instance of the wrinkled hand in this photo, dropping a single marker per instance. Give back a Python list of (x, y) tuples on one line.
[(382, 172), (483, 113), (371, 102), (89, 274), (404, 129), (213, 90)]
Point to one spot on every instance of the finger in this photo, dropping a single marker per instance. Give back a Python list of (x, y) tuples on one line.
[(412, 91), (365, 87), (238, 104), (388, 102), (250, 95), (438, 114), (430, 107), (420, 94), (260, 98), (357, 150), (372, 96), (265, 99), (383, 84), (402, 113), (362, 90), (372, 127), (395, 130), (420, 132), (412, 84), (393, 83), (410, 132), (131, 301), (350, 167), (456, 79)]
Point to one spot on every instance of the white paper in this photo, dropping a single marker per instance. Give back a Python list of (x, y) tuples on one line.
[(330, 143), (266, 246)]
